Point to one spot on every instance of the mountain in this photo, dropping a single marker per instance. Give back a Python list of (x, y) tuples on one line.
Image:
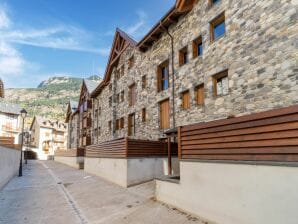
[(50, 98)]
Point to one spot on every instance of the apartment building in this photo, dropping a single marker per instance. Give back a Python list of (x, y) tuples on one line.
[(85, 113), (10, 121), (47, 136), (205, 67), (72, 120)]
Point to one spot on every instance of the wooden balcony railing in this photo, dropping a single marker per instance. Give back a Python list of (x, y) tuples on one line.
[(8, 142), (129, 148), (71, 152), (265, 136)]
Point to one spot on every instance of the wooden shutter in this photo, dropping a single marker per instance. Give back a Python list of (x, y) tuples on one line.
[(185, 100), (159, 70), (200, 95), (131, 124), (164, 115)]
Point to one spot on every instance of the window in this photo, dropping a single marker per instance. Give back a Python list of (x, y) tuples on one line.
[(98, 131), (214, 2), (221, 84), (122, 123), (197, 47), (183, 56), (110, 87), (117, 74), (164, 111), (144, 115), (163, 76), (110, 125), (122, 71), (122, 96), (199, 94), (144, 81), (117, 124), (131, 62), (217, 27), (132, 95), (110, 101), (131, 124), (185, 100)]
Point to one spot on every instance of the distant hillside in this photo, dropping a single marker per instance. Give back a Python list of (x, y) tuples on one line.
[(50, 98)]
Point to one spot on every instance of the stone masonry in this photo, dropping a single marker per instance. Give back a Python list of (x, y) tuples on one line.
[(259, 50)]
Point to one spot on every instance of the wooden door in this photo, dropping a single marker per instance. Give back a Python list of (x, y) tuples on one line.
[(164, 114)]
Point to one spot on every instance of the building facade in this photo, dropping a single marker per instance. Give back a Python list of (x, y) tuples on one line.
[(72, 120), (10, 121), (228, 59), (47, 136)]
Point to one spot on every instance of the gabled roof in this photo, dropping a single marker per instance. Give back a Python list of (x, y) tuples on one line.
[(90, 85), (71, 109), (9, 108), (181, 7), (49, 123), (121, 41)]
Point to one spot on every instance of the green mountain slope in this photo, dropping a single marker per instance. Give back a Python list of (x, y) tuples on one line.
[(50, 98)]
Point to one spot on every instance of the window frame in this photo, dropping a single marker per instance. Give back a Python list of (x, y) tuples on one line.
[(216, 78), (162, 122), (144, 115), (185, 105), (144, 82), (214, 23), (132, 94), (183, 56), (197, 93), (161, 78), (195, 47), (131, 124)]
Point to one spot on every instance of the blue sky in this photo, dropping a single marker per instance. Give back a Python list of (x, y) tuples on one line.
[(44, 38)]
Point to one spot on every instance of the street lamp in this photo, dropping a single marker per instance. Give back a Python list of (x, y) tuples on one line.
[(23, 115)]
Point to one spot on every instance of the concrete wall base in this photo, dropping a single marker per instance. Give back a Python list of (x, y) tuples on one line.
[(70, 161), (234, 193), (9, 164), (128, 172)]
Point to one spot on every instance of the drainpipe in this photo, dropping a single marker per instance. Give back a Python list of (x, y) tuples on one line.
[(173, 73)]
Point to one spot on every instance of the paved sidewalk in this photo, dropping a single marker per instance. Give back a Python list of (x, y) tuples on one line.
[(50, 192)]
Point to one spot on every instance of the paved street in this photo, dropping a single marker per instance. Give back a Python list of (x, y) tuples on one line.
[(50, 192)]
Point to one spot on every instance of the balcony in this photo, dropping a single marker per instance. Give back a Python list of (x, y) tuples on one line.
[(8, 128)]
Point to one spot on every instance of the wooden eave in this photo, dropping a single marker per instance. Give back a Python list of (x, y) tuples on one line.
[(185, 5), (120, 44)]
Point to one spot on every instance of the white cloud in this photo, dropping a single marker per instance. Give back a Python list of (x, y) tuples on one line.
[(4, 20)]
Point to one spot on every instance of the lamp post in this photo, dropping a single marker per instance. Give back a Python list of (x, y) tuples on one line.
[(23, 115)]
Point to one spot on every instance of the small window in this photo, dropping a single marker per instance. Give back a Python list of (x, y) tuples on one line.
[(183, 56), (131, 62), (122, 123), (110, 125), (164, 114), (117, 124), (221, 84), (122, 71), (98, 131), (197, 47), (110, 101), (217, 27), (144, 115), (122, 96), (117, 74), (185, 100), (214, 2), (131, 124), (163, 76), (117, 98), (132, 95), (199, 94), (144, 82), (110, 87)]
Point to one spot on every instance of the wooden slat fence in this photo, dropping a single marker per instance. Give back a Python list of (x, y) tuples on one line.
[(70, 152), (9, 143), (265, 136), (129, 148)]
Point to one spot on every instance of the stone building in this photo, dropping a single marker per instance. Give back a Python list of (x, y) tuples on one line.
[(47, 136), (228, 59), (234, 61), (72, 120), (1, 89), (85, 113)]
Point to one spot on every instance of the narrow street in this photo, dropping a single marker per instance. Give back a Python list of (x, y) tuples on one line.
[(50, 192)]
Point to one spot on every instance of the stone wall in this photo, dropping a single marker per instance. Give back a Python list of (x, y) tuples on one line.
[(258, 50), (9, 164), (73, 128)]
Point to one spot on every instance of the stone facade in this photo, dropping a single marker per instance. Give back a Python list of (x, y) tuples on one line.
[(258, 49), (73, 126)]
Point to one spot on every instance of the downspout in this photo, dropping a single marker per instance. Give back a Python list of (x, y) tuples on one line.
[(173, 72)]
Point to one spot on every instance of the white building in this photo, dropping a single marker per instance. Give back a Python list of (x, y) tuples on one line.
[(47, 136), (10, 121)]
